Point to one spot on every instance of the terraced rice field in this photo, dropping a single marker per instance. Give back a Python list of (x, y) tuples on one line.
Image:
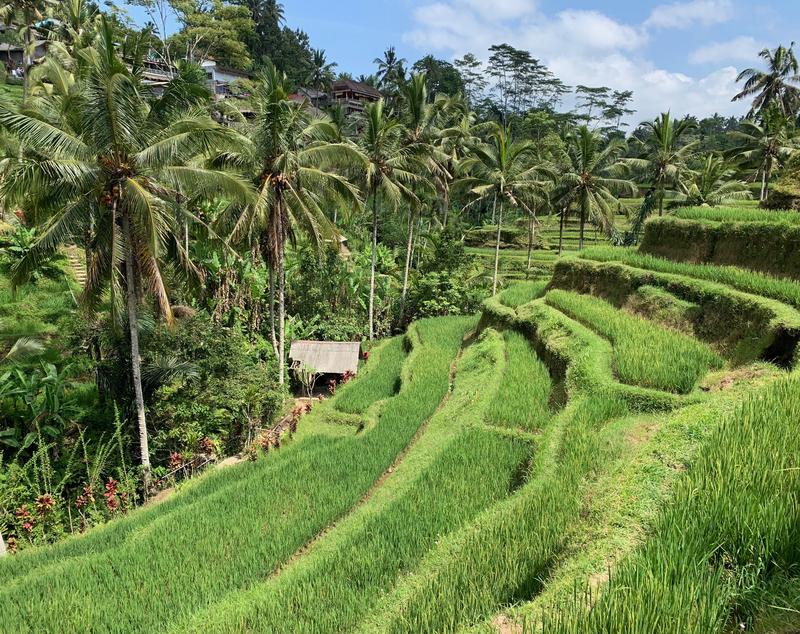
[(614, 449)]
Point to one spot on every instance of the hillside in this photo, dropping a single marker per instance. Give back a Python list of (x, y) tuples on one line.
[(612, 449)]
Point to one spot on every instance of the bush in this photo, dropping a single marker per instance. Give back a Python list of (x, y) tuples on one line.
[(219, 387)]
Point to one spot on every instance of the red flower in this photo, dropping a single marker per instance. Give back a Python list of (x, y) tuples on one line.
[(22, 512), (28, 526)]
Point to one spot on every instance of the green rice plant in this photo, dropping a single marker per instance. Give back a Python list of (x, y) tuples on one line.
[(505, 554), (769, 247), (523, 398), (645, 353), (781, 289), (735, 214), (431, 492), (575, 355), (732, 530), (198, 549), (742, 325), (381, 380), (523, 292)]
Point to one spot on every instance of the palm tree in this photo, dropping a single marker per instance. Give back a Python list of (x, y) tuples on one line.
[(773, 86), (502, 171), (714, 183), (292, 163), (767, 145), (664, 158), (391, 71), (321, 74), (29, 12), (590, 179), (124, 170), (392, 171), (418, 117)]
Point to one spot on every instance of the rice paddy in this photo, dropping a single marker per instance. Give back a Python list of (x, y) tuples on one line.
[(645, 353), (567, 464)]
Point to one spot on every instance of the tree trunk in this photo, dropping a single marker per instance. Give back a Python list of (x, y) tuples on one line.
[(497, 248), (281, 320), (273, 335), (26, 57), (530, 240), (767, 176), (136, 362), (372, 265), (661, 194), (409, 246), (446, 207), (561, 231), (583, 224)]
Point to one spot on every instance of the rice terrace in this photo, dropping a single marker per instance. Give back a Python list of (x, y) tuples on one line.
[(503, 340)]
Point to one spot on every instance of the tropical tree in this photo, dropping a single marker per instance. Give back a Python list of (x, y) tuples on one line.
[(418, 137), (321, 74), (123, 169), (391, 70), (293, 165), (664, 156), (591, 179), (777, 85), (27, 13), (715, 183), (502, 172), (392, 172), (767, 145)]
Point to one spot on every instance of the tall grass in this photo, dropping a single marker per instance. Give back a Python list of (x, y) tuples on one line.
[(523, 398), (732, 530), (523, 292), (781, 289), (382, 379), (645, 353), (505, 555), (431, 492), (177, 562), (733, 214)]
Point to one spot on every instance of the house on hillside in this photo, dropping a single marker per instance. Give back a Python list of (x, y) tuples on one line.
[(353, 95), (11, 55), (319, 99), (220, 78)]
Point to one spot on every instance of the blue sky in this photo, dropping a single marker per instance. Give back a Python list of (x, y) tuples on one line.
[(681, 55)]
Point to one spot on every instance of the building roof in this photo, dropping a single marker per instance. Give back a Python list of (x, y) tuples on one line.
[(326, 357), (356, 86)]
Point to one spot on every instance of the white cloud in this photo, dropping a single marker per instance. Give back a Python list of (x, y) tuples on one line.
[(743, 48), (683, 15), (580, 47)]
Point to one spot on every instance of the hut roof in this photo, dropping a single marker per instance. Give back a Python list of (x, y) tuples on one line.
[(326, 357)]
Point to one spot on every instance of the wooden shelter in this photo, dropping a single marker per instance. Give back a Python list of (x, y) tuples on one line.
[(325, 357)]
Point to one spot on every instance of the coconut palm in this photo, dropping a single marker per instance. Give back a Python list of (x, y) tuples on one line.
[(293, 166), (321, 74), (392, 172), (391, 70), (664, 156), (418, 138), (591, 179), (767, 145), (123, 170), (715, 183), (26, 13), (778, 85), (502, 172)]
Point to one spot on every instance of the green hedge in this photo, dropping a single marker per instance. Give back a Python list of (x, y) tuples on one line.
[(769, 247)]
